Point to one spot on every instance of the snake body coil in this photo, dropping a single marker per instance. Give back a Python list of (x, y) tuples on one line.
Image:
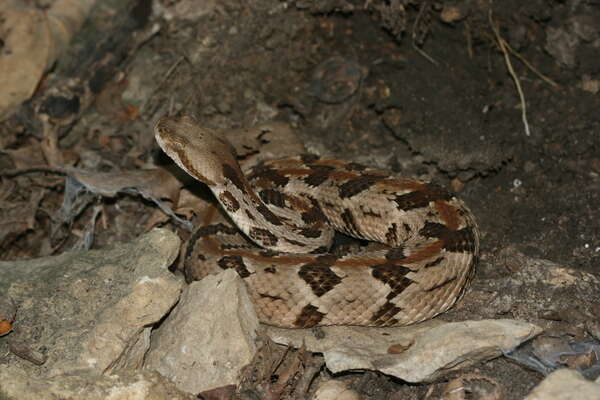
[(428, 240)]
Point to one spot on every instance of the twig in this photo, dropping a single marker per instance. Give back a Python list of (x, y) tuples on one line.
[(49, 142), (35, 168), (414, 45), (469, 40), (511, 71), (166, 76), (427, 56), (528, 65)]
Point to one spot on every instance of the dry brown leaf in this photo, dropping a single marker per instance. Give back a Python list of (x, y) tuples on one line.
[(26, 155), (189, 204), (156, 183), (49, 144), (155, 219), (19, 216), (8, 311), (32, 40), (465, 386), (221, 393)]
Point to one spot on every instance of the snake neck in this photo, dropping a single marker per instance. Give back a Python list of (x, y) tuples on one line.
[(209, 158)]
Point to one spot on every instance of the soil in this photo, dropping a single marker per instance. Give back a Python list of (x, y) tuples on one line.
[(422, 89)]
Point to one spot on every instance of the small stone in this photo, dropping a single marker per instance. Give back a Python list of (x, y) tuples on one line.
[(26, 352), (529, 166), (453, 12), (593, 328), (565, 384), (596, 165), (457, 185), (561, 44), (335, 390), (224, 107), (590, 85)]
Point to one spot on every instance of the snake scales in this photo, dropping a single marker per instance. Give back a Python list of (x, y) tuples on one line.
[(428, 240)]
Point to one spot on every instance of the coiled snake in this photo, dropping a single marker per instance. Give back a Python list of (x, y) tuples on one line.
[(288, 209)]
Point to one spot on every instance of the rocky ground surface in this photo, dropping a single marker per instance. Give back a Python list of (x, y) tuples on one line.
[(500, 104)]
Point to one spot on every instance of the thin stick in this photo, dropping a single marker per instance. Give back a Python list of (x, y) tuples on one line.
[(469, 40), (528, 65), (427, 56), (512, 73), (414, 45), (35, 168), (166, 76)]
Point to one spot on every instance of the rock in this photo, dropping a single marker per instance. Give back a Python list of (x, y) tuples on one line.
[(188, 9), (335, 390), (336, 79), (561, 43), (209, 336), (419, 353), (593, 328), (565, 384), (91, 310), (14, 384), (454, 12), (565, 41), (537, 287)]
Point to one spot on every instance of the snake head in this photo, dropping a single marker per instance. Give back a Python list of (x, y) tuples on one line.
[(196, 149)]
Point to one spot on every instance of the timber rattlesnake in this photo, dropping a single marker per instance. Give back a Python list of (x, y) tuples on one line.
[(429, 240)]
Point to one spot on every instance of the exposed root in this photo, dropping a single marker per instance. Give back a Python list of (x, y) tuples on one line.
[(503, 47)]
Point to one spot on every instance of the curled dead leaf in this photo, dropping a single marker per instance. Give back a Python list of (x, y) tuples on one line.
[(32, 40), (463, 387), (5, 327)]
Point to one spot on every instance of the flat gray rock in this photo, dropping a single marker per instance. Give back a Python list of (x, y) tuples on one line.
[(419, 353)]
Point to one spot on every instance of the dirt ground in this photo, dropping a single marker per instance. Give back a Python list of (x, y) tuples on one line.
[(421, 88)]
